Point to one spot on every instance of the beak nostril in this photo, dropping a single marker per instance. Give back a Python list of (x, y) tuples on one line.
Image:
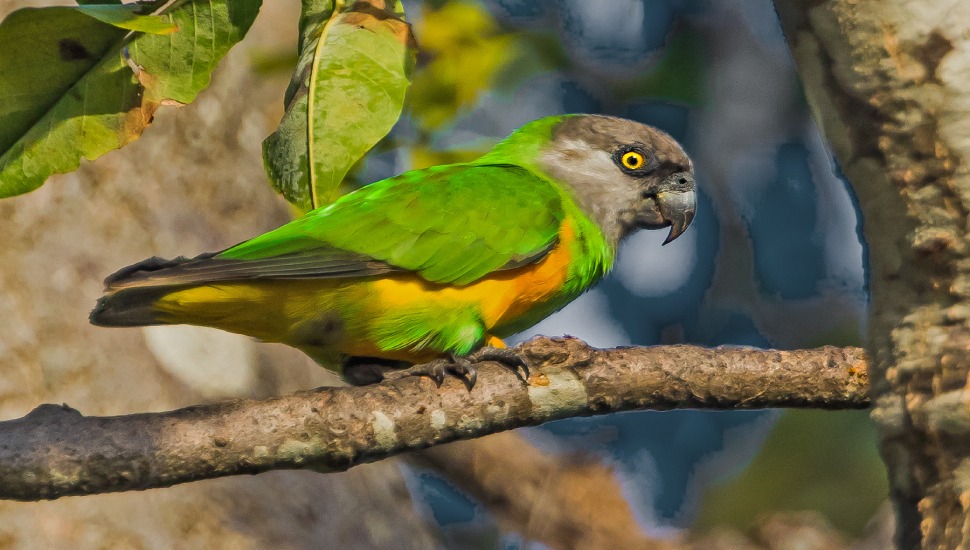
[(682, 181)]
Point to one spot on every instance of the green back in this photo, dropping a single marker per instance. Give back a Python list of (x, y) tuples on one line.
[(451, 224)]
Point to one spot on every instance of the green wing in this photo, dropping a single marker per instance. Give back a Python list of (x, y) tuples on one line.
[(451, 224)]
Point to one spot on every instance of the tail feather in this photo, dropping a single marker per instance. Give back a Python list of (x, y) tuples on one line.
[(133, 307), (143, 272), (134, 292), (132, 295)]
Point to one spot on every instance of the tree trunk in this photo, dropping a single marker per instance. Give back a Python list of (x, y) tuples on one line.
[(889, 82)]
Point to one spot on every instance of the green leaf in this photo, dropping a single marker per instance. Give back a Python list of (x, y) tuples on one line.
[(346, 94), (128, 16), (68, 91)]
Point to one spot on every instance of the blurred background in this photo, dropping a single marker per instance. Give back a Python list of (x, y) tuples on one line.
[(773, 259)]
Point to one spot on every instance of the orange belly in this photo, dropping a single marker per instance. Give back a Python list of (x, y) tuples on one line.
[(500, 298)]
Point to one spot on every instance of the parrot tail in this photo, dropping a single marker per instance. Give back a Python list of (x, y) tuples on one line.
[(131, 307), (225, 294), (133, 292)]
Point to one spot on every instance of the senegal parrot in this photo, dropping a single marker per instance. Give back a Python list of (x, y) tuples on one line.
[(432, 267)]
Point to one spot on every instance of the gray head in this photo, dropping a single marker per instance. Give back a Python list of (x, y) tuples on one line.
[(623, 174)]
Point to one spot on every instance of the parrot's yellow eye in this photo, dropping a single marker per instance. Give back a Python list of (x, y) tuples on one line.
[(632, 160)]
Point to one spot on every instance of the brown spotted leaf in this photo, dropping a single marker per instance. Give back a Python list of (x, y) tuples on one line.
[(76, 85)]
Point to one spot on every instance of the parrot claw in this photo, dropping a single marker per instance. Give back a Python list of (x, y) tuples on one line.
[(506, 357), (436, 370), (461, 367)]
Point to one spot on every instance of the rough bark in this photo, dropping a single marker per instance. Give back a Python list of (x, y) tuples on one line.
[(55, 451), (889, 81)]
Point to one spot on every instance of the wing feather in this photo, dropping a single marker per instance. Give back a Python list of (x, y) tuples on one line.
[(207, 268), (449, 224)]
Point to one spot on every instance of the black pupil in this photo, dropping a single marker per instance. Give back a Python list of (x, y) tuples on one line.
[(631, 160)]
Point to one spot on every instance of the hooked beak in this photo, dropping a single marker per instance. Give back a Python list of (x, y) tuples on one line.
[(677, 202)]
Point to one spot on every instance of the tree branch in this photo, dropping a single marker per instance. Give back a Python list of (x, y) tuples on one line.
[(55, 451)]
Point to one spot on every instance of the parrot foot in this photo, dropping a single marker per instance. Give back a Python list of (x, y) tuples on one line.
[(436, 370), (362, 371), (507, 357)]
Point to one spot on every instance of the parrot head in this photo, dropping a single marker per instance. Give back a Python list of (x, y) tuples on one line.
[(624, 174)]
